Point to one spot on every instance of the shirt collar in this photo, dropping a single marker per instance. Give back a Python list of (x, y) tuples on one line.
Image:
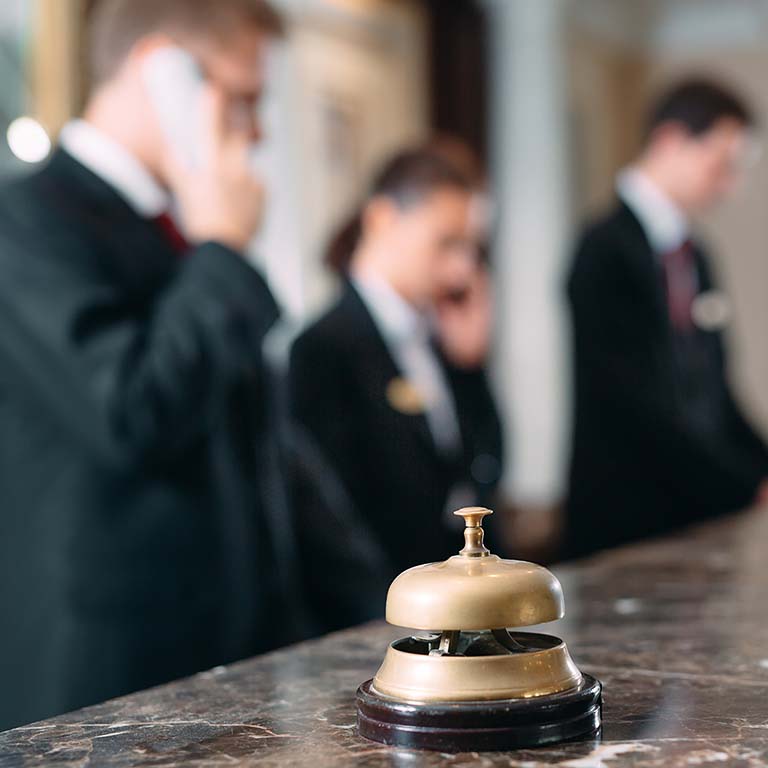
[(664, 223), (397, 320), (115, 165)]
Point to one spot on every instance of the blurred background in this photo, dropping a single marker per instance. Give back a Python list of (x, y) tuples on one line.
[(549, 93)]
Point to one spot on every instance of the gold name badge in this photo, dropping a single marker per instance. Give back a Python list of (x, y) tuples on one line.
[(711, 311), (405, 397)]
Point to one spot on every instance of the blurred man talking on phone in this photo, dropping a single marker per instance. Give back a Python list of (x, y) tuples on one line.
[(132, 550)]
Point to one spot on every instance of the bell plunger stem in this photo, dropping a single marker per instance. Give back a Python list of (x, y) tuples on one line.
[(473, 532)]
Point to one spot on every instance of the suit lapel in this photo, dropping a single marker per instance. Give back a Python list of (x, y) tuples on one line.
[(643, 261), (382, 376), (139, 256)]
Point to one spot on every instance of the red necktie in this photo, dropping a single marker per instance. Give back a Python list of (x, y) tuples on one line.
[(680, 274), (170, 231)]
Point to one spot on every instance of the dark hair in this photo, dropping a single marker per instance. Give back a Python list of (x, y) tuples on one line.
[(407, 179), (410, 177), (697, 105), (115, 26), (343, 244)]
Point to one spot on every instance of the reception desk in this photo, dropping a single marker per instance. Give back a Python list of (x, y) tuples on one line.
[(677, 630)]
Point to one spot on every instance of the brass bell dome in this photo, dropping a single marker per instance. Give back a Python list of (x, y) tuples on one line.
[(474, 589)]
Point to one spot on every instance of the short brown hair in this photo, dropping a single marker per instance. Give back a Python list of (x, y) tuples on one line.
[(697, 105), (412, 176), (115, 26)]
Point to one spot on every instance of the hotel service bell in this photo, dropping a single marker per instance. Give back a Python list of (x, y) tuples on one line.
[(468, 679)]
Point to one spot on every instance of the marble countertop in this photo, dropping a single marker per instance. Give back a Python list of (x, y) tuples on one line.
[(677, 630)]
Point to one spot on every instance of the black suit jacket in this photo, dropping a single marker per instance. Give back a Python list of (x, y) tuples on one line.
[(131, 546), (658, 438), (398, 481)]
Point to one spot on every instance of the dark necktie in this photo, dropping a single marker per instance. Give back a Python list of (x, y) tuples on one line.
[(680, 279), (170, 231)]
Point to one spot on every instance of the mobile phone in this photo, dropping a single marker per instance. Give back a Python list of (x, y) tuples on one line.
[(175, 84)]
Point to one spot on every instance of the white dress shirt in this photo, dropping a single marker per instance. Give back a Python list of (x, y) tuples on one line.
[(406, 332), (116, 166), (664, 224)]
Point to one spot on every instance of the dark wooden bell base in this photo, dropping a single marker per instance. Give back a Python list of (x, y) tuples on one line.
[(476, 726)]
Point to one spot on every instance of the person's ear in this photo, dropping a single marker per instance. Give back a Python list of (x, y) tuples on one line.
[(670, 135), (379, 215)]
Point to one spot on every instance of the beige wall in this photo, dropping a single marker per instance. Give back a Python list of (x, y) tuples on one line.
[(607, 90), (355, 91), (373, 77)]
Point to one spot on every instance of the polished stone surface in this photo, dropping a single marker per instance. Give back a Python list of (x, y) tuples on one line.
[(676, 629)]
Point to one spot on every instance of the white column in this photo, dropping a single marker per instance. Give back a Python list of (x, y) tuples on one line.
[(529, 165)]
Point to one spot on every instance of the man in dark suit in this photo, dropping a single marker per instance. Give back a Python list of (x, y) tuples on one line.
[(389, 383), (659, 440), (132, 549)]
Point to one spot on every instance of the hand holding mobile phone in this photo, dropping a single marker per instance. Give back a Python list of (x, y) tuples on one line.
[(208, 164), (220, 199), (464, 322)]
